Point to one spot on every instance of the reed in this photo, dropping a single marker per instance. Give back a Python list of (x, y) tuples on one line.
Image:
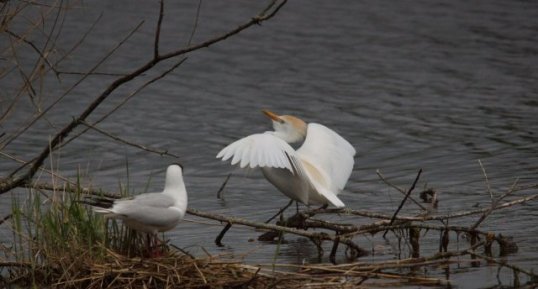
[(60, 243), (54, 234)]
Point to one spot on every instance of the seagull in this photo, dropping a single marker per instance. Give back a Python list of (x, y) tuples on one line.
[(149, 213), (313, 174)]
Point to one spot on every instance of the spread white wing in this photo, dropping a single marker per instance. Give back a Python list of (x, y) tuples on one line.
[(329, 152), (261, 150), (325, 160)]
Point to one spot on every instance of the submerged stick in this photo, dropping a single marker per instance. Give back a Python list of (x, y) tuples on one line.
[(220, 195), (221, 234)]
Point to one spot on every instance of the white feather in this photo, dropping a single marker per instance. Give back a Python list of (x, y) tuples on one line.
[(314, 174), (259, 150), (329, 153)]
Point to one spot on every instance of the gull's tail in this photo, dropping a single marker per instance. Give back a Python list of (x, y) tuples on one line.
[(99, 204)]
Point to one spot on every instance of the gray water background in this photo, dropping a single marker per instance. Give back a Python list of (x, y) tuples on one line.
[(436, 85)]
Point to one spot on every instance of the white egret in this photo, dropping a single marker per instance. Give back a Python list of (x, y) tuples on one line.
[(313, 174), (150, 212)]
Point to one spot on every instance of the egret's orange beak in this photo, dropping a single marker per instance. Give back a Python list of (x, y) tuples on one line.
[(271, 115)]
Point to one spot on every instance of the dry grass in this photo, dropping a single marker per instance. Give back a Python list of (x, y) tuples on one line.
[(180, 271)]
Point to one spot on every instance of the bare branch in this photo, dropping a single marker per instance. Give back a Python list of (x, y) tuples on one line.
[(158, 30), (195, 25), (505, 264), (80, 41), (255, 20), (42, 113), (125, 100), (486, 180), (12, 182), (32, 45), (8, 156), (494, 204), (403, 201)]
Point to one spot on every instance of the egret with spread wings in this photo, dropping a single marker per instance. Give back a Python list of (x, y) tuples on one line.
[(314, 174)]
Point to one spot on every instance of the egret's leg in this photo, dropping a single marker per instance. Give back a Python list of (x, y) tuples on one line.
[(280, 212)]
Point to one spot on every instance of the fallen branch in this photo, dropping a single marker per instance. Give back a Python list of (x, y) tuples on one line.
[(321, 236)]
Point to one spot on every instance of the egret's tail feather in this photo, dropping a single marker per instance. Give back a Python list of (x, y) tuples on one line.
[(332, 198)]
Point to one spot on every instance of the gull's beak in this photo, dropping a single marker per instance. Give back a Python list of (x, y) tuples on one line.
[(272, 115)]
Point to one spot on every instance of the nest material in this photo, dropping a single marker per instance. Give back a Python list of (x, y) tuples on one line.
[(176, 270)]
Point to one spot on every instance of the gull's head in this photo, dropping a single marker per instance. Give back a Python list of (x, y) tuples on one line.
[(289, 128), (175, 168), (174, 176)]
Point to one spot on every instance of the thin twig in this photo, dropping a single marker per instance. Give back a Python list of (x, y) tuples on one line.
[(380, 175), (80, 41), (70, 126), (142, 147), (494, 204), (34, 47), (195, 25), (125, 100), (158, 30), (253, 21), (8, 156), (488, 186), (505, 264), (403, 201)]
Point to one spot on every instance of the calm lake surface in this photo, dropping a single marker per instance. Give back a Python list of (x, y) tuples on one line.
[(436, 85)]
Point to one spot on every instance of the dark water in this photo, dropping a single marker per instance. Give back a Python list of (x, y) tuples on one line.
[(436, 85)]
